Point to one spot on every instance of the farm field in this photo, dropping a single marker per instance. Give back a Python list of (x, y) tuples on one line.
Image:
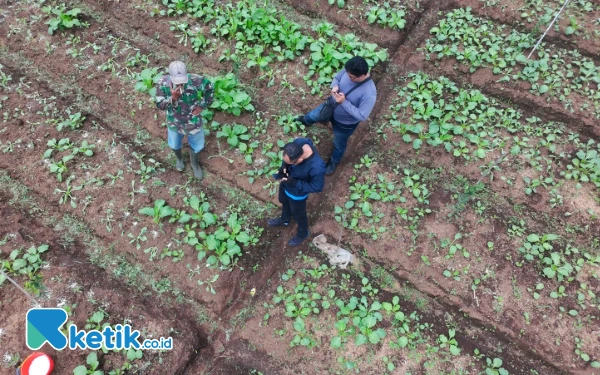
[(470, 198)]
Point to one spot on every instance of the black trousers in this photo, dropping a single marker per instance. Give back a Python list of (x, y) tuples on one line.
[(294, 209)]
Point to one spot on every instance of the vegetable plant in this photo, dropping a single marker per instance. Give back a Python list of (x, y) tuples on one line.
[(91, 368), (146, 81), (228, 97), (63, 19), (159, 211), (387, 15)]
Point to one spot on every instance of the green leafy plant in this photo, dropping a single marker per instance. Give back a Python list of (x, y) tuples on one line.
[(289, 124), (84, 148), (137, 240), (66, 195), (386, 15), (494, 367), (535, 246), (95, 321), (146, 81), (209, 283), (175, 255), (148, 167), (60, 167), (73, 122), (61, 145), (228, 97), (234, 134), (63, 19), (91, 368), (340, 3), (159, 211), (27, 264)]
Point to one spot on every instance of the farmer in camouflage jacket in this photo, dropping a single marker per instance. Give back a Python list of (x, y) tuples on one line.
[(183, 96)]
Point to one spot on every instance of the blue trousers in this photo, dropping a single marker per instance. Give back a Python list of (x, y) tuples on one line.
[(196, 141), (341, 134)]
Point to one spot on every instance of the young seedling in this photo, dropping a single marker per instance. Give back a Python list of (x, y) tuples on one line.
[(60, 167), (61, 145), (67, 194), (90, 369), (209, 283), (159, 211)]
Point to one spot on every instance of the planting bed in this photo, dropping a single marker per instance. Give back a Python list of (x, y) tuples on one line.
[(469, 199)]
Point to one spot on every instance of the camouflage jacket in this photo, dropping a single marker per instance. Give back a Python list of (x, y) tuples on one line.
[(197, 92)]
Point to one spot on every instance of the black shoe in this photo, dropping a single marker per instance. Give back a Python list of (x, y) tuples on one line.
[(277, 222), (301, 119), (330, 168), (297, 240)]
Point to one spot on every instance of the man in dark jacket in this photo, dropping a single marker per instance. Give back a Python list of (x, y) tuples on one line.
[(301, 173)]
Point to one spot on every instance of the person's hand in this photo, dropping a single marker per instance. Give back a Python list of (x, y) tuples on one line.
[(196, 111), (335, 89), (176, 93), (288, 181), (339, 97), (281, 173)]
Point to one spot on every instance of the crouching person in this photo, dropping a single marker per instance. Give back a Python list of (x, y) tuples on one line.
[(301, 173)]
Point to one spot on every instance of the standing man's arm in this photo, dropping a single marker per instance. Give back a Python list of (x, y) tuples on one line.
[(335, 84), (360, 113), (208, 95), (314, 184), (165, 98)]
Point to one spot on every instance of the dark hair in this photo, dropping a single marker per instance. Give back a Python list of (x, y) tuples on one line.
[(357, 66), (293, 151)]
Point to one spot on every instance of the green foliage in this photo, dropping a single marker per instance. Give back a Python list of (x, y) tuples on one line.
[(23, 263), (159, 211), (494, 367), (289, 125), (94, 322), (67, 194), (90, 369), (340, 3), (61, 145), (358, 320), (363, 212), (60, 167), (478, 42), (222, 246), (229, 97), (194, 37), (73, 122), (146, 80), (328, 55), (263, 35), (63, 19), (235, 134), (148, 167), (387, 15), (585, 166)]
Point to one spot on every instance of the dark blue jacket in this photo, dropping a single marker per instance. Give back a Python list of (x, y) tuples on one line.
[(306, 177)]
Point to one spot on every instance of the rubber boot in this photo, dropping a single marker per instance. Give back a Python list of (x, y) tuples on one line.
[(195, 166), (180, 164)]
